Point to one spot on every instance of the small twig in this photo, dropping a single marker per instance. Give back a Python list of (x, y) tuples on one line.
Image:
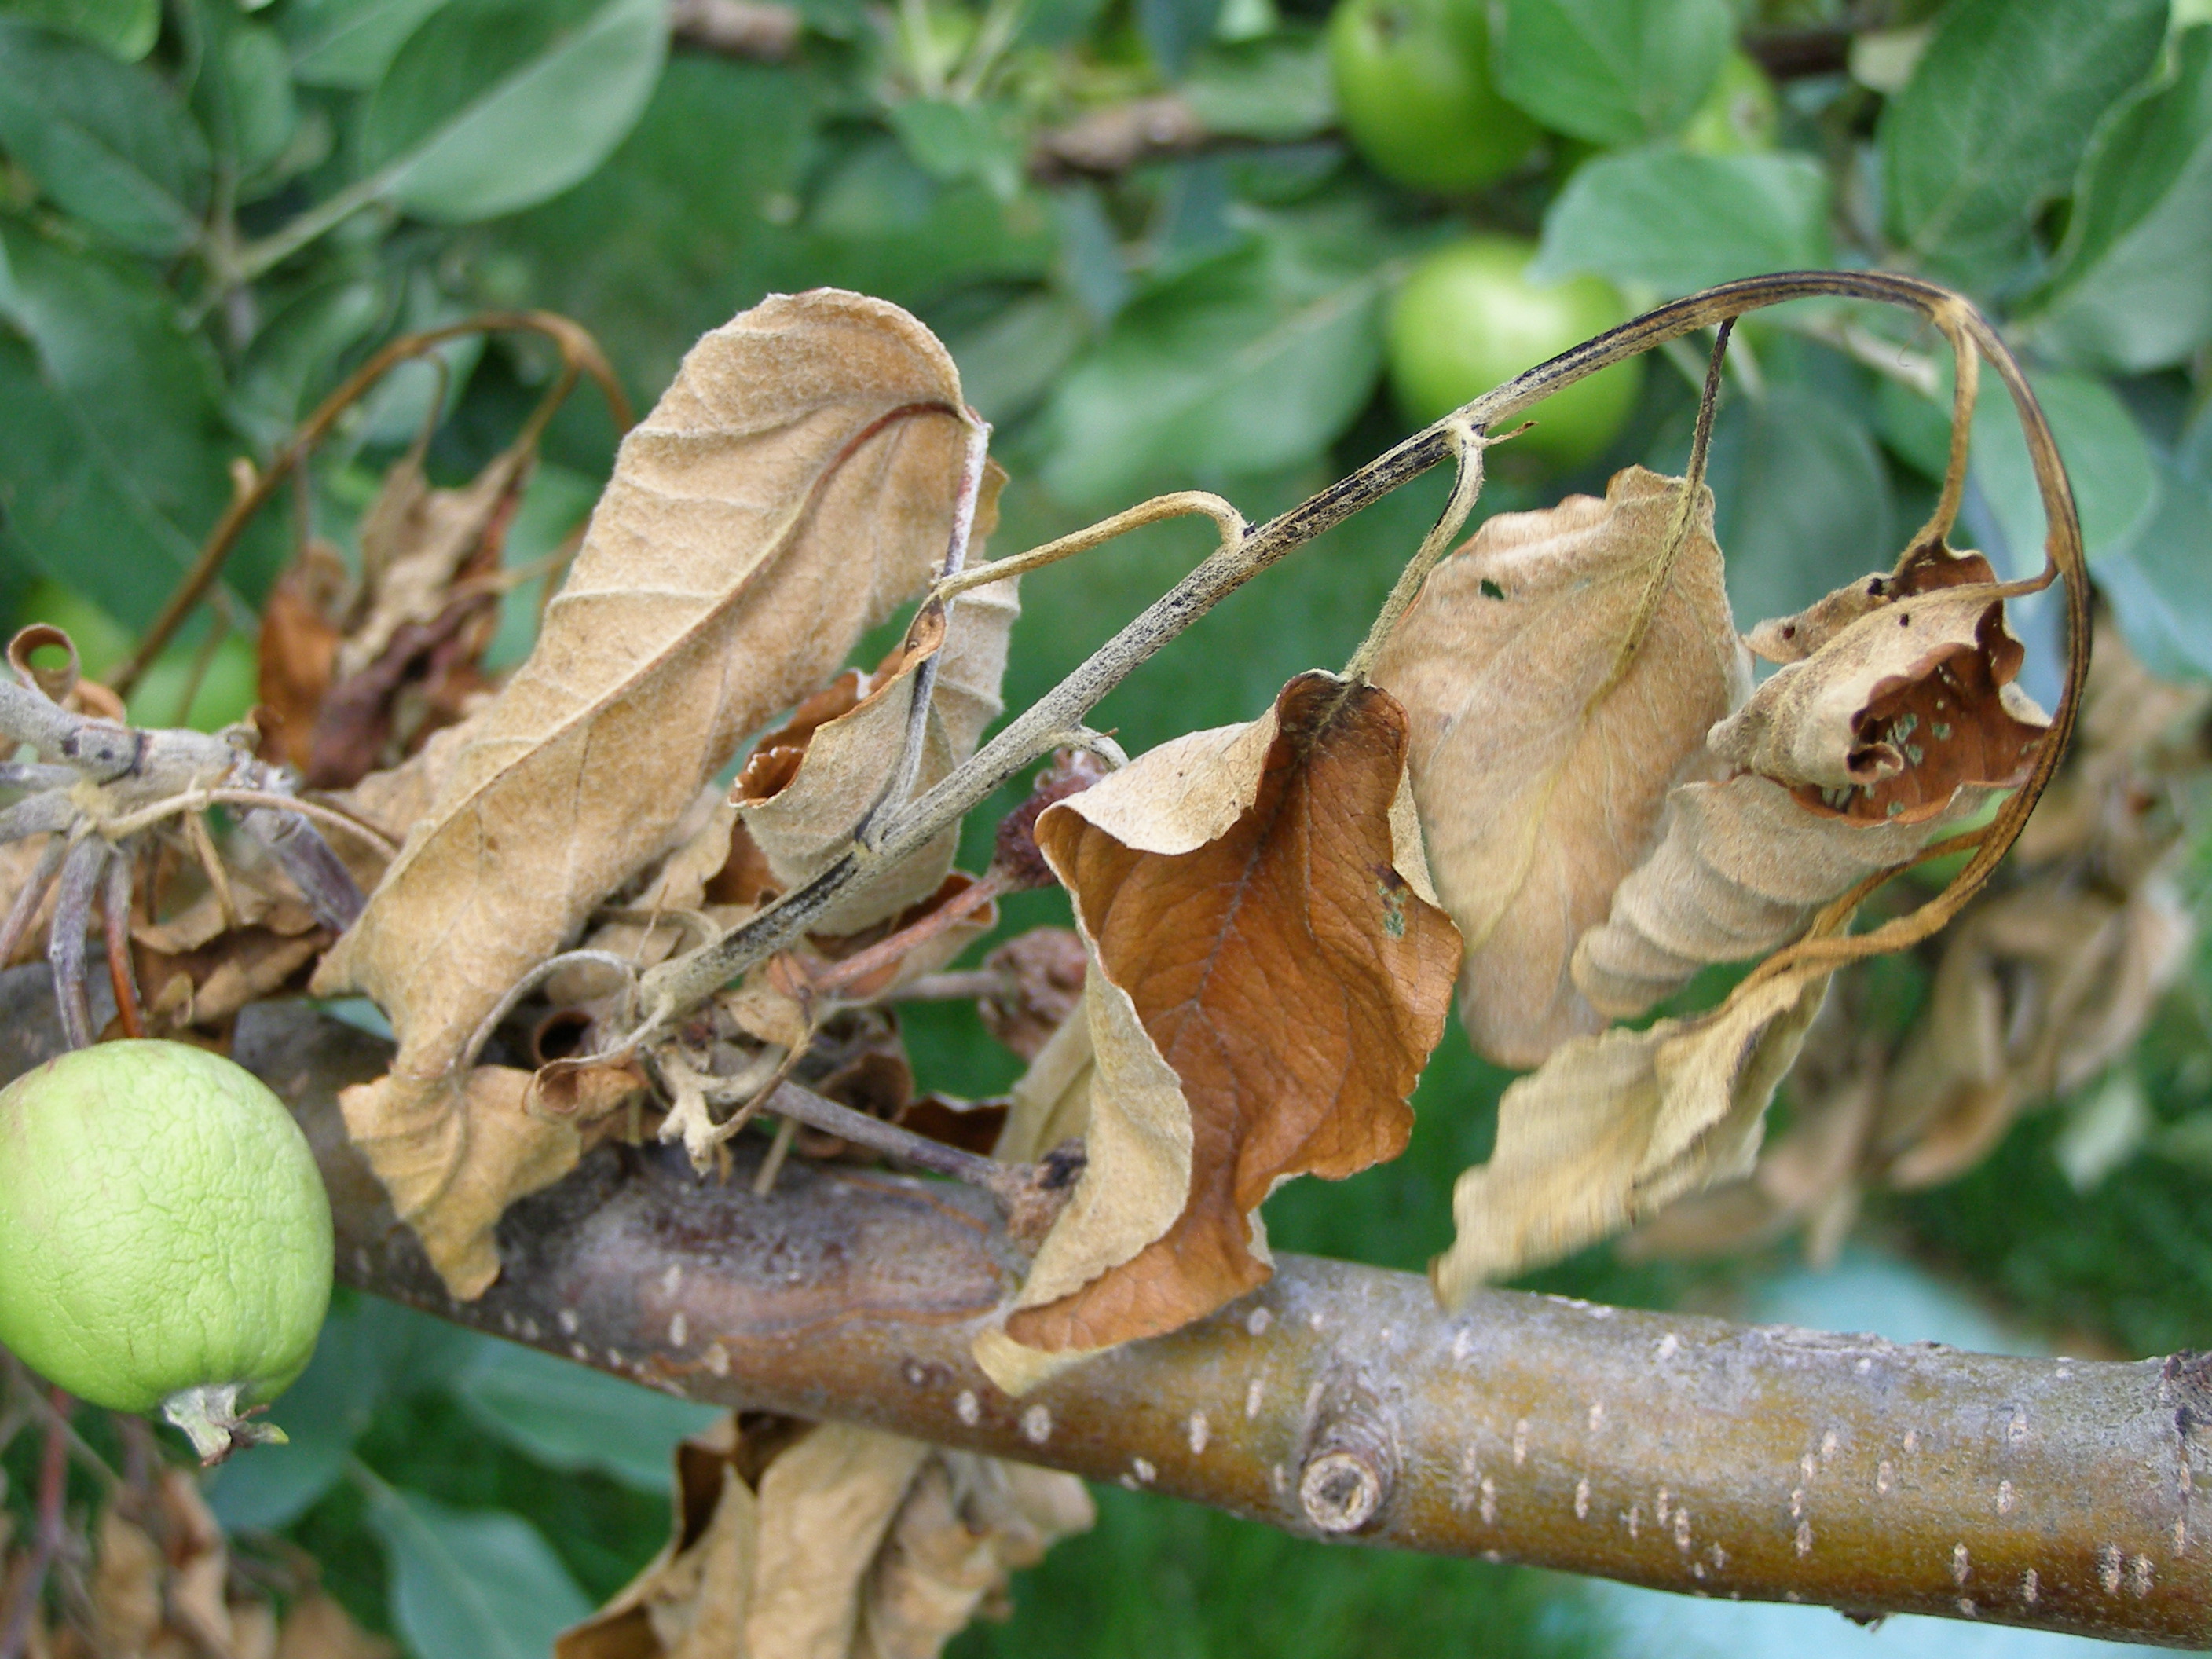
[(1181, 503), (787, 1131), (115, 921), (579, 351), (195, 800), (1468, 446), (885, 952), (53, 1488), (916, 739), (969, 986), (25, 909), (65, 941)]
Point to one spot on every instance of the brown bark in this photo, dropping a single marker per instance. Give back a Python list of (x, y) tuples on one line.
[(1686, 1454)]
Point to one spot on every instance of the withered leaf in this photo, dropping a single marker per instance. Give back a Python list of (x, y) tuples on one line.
[(1614, 1126), (1051, 1101), (1924, 569), (1044, 968), (453, 1158), (1268, 978), (793, 1542), (1556, 673), (795, 484), (1847, 763), (802, 811)]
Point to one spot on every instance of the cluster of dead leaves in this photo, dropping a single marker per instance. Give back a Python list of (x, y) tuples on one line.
[(797, 482), (797, 1541), (159, 1585), (2044, 982)]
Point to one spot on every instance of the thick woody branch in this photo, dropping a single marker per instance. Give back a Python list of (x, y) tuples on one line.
[(1687, 1454)]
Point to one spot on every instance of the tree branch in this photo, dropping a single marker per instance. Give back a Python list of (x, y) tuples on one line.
[(1686, 1454)]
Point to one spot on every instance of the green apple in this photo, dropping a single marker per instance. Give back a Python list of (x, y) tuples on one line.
[(1468, 317), (165, 1239), (1740, 115), (1413, 91)]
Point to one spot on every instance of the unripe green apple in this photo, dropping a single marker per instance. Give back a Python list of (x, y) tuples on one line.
[(1469, 318), (1740, 115), (165, 1239), (1413, 91)]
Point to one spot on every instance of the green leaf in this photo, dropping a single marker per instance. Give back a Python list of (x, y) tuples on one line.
[(348, 43), (1677, 223), (357, 1360), (2134, 286), (246, 98), (118, 454), (2159, 579), (1009, 362), (1994, 120), (1611, 71), (1802, 500), (1173, 29), (1254, 361), (108, 142), (1275, 89), (570, 1417), (952, 141), (493, 105), (700, 213), (472, 1584), (2114, 473), (123, 29)]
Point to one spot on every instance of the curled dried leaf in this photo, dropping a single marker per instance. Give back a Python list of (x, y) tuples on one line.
[(1612, 1127), (1268, 977), (1899, 727), (797, 482), (1557, 672), (820, 794), (798, 1541)]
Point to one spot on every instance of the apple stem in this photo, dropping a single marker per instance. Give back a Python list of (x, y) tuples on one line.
[(210, 1419)]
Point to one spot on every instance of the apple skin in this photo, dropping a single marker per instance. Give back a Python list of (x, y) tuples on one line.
[(1413, 91), (1467, 317)]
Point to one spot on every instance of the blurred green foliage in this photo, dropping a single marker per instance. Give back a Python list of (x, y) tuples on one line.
[(210, 212)]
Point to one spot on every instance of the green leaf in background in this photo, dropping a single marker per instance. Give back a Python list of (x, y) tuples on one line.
[(568, 1416), (1801, 499), (348, 43), (108, 142), (493, 105), (2134, 287), (1251, 361), (252, 79), (1995, 120), (2114, 473), (1275, 89), (1008, 363), (363, 1349), (2159, 578), (471, 1585), (1173, 29), (1676, 223), (1611, 71), (125, 29), (952, 141), (117, 454)]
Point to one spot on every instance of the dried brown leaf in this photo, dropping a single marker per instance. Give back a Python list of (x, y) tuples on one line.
[(792, 1542), (317, 1627), (793, 486), (806, 822), (1556, 674), (1612, 1127), (1923, 570), (1051, 1101), (1045, 968), (452, 1160), (1897, 728), (1269, 977), (298, 651), (1739, 867)]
